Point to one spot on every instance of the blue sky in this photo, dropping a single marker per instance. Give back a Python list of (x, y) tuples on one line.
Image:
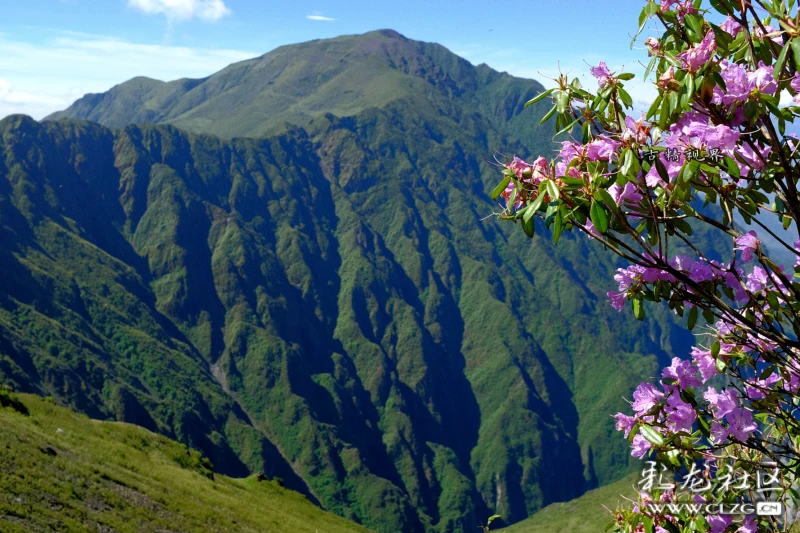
[(54, 51)]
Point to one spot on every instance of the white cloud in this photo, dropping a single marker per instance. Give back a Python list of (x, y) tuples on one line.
[(38, 79), (209, 10), (319, 17)]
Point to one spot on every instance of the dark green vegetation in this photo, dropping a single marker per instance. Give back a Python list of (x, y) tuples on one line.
[(324, 304), (64, 472), (588, 513)]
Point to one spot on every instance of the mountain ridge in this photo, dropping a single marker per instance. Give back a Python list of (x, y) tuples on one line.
[(299, 82), (417, 367)]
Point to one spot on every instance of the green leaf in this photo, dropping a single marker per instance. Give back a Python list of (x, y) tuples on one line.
[(795, 43), (500, 188), (562, 101), (558, 226), (493, 518), (539, 97), (694, 23), (653, 107), (690, 170), (529, 225), (548, 115), (638, 310), (605, 197), (653, 436), (552, 189), (705, 429), (669, 526), (599, 217), (648, 11), (732, 167), (567, 127), (625, 97), (692, 317), (625, 76), (662, 170), (782, 58)]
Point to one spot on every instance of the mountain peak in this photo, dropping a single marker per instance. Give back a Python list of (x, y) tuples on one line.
[(391, 34), (296, 83)]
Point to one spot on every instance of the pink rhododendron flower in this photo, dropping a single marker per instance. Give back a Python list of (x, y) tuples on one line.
[(719, 433), (628, 193), (684, 8), (667, 80), (618, 300), (792, 384), (591, 231), (624, 422), (684, 372), (652, 45), (762, 79), (741, 424), (719, 136), (795, 84), (519, 167), (747, 244), (754, 159), (628, 277), (645, 397), (639, 446), (748, 525), (680, 415), (721, 403), (731, 26), (602, 148), (737, 84), (694, 58), (757, 279), (637, 130), (602, 73), (705, 363), (772, 33), (719, 522), (757, 389), (653, 178)]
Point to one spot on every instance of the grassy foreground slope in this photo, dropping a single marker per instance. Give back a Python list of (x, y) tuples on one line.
[(585, 514), (61, 471)]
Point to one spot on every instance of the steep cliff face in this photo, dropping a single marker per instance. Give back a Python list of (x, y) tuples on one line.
[(329, 304)]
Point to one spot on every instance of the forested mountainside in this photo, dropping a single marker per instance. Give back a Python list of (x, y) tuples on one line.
[(331, 303)]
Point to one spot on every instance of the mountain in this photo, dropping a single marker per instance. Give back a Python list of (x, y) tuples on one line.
[(589, 512), (327, 301), (64, 472), (296, 83)]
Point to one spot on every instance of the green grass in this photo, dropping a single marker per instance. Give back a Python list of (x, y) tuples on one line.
[(61, 471), (586, 514)]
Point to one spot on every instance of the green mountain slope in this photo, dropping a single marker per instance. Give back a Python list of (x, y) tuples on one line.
[(60, 471), (325, 304), (589, 513), (300, 82)]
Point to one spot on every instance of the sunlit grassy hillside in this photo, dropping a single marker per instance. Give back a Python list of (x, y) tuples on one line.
[(61, 471)]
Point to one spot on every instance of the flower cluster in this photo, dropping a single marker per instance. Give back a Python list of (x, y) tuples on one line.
[(711, 152)]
